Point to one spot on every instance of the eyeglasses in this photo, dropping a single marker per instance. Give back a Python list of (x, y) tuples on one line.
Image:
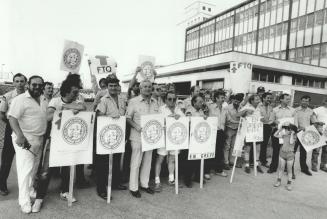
[(172, 99), (37, 85), (158, 89)]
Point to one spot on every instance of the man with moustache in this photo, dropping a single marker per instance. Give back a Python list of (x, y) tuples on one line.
[(112, 105), (266, 112), (8, 151), (28, 121)]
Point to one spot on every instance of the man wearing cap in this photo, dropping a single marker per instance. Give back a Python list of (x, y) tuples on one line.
[(321, 114), (8, 152), (140, 167), (112, 105), (260, 91)]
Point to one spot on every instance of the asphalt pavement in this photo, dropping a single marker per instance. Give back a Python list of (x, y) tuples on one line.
[(247, 197)]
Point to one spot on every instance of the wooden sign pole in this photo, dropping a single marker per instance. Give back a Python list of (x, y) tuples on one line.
[(234, 165), (71, 185), (109, 179), (201, 173), (255, 158), (176, 172)]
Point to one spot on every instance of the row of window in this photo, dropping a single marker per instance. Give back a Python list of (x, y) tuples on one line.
[(314, 55), (298, 80), (306, 81), (246, 14), (265, 76)]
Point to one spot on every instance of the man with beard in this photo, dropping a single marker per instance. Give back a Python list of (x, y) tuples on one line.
[(28, 121), (8, 151), (266, 112)]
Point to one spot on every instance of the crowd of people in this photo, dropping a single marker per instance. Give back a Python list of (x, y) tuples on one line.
[(28, 111)]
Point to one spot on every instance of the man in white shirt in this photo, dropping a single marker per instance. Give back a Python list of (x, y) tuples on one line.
[(28, 121), (321, 114)]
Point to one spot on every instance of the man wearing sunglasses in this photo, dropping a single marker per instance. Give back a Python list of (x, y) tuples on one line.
[(169, 109), (157, 94), (28, 121), (8, 152)]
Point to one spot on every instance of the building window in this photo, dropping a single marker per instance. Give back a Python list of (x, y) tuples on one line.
[(209, 9), (203, 8), (306, 81)]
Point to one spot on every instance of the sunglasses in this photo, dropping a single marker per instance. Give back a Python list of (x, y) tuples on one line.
[(37, 85), (172, 99)]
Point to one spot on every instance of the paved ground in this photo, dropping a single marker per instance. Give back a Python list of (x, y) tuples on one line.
[(248, 197)]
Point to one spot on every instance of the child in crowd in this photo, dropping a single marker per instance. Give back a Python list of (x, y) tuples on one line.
[(286, 155)]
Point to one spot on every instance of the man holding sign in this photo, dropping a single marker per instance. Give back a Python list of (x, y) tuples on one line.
[(112, 105), (304, 116), (143, 104), (254, 127)]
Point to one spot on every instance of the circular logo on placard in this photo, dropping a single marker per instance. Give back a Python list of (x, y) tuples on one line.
[(111, 136), (310, 137), (147, 69), (202, 132), (72, 58), (74, 131), (152, 131), (177, 133)]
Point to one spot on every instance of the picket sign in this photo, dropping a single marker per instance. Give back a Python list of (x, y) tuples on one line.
[(254, 134), (71, 185), (239, 142), (176, 172)]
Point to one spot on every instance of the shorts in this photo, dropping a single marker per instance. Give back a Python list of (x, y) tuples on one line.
[(164, 152), (287, 155)]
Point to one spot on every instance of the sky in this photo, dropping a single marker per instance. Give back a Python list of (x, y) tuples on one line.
[(32, 33)]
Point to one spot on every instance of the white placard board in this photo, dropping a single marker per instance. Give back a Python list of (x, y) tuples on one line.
[(254, 129), (71, 58), (203, 135), (152, 135), (147, 65), (311, 138), (71, 138), (102, 66), (240, 75), (177, 133), (239, 139), (110, 135)]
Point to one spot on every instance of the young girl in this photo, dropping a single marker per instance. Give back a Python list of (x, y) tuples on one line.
[(286, 155)]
